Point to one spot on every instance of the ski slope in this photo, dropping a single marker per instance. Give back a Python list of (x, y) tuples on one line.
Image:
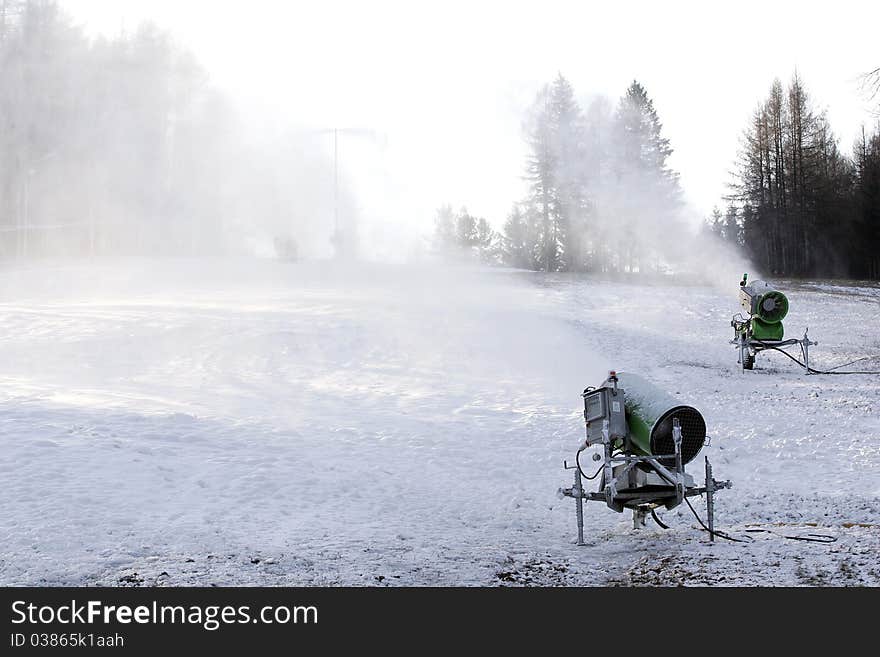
[(250, 422)]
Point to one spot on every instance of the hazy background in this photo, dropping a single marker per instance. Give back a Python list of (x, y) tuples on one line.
[(447, 83)]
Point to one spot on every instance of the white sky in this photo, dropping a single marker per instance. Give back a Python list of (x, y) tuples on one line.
[(447, 82)]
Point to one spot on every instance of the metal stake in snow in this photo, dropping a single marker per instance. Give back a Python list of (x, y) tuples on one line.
[(647, 438)]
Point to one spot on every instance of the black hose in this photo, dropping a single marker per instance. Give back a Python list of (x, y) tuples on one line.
[(810, 538), (833, 370), (715, 532), (577, 459), (658, 521), (857, 360), (696, 515)]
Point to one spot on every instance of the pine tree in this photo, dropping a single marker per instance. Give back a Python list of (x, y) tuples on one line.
[(465, 230), (732, 230), (487, 243), (541, 172), (444, 229), (598, 146), (646, 195), (715, 223), (555, 134), (643, 146), (568, 131), (461, 235), (517, 241)]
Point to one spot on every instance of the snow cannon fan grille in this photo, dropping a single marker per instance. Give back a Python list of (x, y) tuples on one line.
[(764, 302), (773, 307), (693, 434)]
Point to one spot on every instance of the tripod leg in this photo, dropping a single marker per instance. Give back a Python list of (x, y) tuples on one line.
[(710, 500), (579, 501)]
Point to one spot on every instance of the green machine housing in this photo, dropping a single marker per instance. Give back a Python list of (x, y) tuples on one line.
[(766, 306), (640, 418)]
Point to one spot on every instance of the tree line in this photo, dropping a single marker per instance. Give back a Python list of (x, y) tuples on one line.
[(799, 206), (121, 146), (601, 195)]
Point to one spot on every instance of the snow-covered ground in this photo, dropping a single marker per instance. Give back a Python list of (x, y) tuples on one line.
[(252, 422)]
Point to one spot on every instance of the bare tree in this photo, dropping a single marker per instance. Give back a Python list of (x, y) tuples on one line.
[(871, 85)]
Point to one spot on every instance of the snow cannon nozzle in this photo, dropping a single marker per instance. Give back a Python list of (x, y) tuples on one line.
[(745, 279)]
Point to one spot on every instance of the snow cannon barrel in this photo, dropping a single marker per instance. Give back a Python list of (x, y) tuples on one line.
[(767, 307), (650, 412)]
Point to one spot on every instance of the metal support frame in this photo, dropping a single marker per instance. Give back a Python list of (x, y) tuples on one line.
[(579, 496), (610, 490), (806, 342), (642, 501), (679, 466), (749, 347), (639, 516), (710, 500)]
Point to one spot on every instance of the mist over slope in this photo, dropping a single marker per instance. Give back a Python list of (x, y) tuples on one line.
[(261, 423)]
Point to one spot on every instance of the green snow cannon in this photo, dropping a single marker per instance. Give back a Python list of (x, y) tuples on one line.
[(643, 427), (649, 415), (766, 306)]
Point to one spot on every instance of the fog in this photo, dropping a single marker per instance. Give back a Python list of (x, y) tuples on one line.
[(307, 294), (125, 130), (122, 146), (442, 78)]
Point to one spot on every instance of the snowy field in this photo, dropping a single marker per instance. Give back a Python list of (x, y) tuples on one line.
[(251, 422)]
